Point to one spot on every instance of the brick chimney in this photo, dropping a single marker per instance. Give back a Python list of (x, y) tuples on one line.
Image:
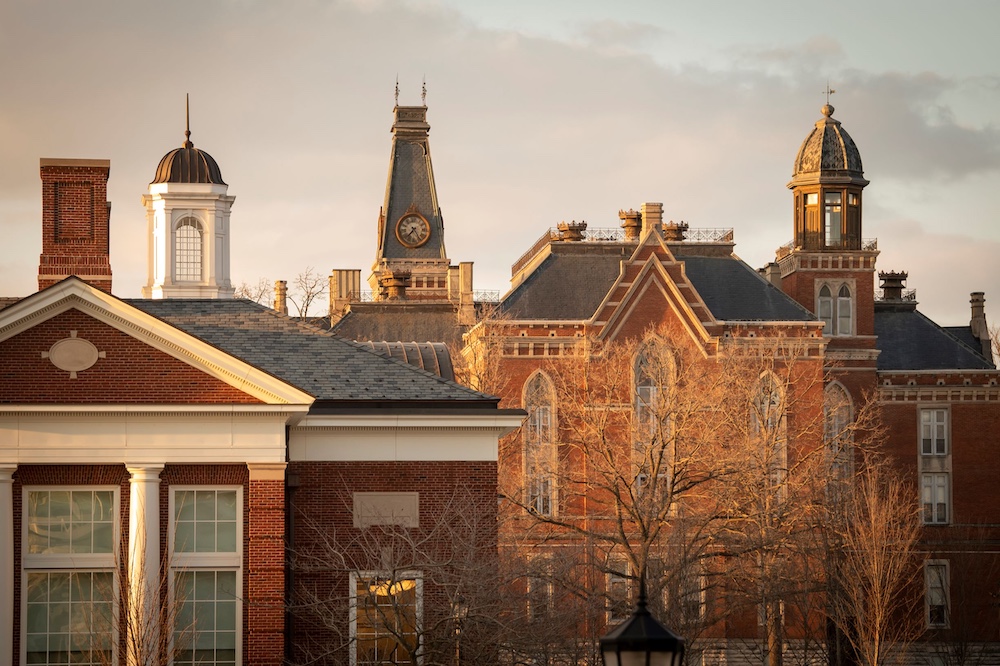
[(980, 329), (281, 296), (76, 220), (652, 216)]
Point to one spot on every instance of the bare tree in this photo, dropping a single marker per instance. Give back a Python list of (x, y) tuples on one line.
[(258, 292), (877, 597), (429, 594), (307, 286)]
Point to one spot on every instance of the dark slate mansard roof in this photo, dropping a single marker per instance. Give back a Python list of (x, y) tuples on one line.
[(570, 284), (908, 340), (335, 371)]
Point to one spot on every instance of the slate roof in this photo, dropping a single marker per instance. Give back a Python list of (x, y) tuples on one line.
[(330, 368), (572, 282), (567, 285), (910, 341), (735, 292), (423, 322)]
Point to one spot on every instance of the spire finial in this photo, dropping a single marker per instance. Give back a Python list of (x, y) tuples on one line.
[(397, 90), (423, 91), (827, 110), (187, 121)]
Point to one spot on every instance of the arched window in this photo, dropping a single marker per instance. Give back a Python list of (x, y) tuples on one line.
[(837, 433), (837, 313), (188, 250), (653, 447), (844, 311), (769, 427), (539, 445)]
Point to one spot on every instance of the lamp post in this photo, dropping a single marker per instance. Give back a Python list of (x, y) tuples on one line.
[(641, 640)]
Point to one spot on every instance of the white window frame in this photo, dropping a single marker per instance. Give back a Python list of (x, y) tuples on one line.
[(183, 255), (70, 562), (932, 445), (187, 562), (936, 487), (415, 575), (940, 569)]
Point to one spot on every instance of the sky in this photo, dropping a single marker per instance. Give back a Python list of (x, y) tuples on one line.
[(540, 111)]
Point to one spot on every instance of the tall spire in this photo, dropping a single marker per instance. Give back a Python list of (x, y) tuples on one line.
[(187, 120)]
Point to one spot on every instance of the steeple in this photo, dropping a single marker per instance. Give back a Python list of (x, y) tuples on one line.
[(187, 213), (410, 225)]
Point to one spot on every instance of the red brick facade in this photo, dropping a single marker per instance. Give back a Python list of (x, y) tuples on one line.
[(130, 372)]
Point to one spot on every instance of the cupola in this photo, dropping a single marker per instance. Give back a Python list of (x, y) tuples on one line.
[(827, 179), (187, 211)]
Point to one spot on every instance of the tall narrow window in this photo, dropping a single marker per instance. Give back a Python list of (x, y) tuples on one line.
[(833, 218), (825, 309), (934, 496), (936, 593), (539, 445), (188, 250), (69, 544), (837, 430), (206, 559), (618, 591), (386, 618), (844, 311), (653, 446), (769, 426), (933, 432)]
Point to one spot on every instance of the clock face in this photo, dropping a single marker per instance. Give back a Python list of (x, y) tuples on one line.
[(413, 230)]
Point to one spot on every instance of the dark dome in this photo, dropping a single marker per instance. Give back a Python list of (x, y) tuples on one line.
[(187, 164), (828, 151)]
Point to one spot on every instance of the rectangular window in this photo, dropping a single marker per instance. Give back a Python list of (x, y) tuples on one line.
[(618, 592), (936, 593), (934, 432), (206, 541), (386, 618), (934, 496), (540, 592), (833, 219), (69, 541)]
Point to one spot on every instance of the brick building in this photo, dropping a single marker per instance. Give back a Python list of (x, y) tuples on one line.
[(173, 467)]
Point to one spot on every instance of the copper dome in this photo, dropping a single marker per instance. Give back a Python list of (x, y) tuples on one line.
[(187, 164)]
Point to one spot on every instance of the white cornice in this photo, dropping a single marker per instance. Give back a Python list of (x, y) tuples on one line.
[(76, 294), (501, 423)]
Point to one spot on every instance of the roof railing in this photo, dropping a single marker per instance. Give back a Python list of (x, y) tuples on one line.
[(616, 235), (907, 295)]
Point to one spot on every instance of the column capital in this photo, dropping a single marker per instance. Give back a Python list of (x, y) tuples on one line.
[(269, 471), (147, 472), (7, 472)]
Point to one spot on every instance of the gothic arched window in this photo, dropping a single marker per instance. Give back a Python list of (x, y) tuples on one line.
[(837, 313), (837, 434), (653, 446), (539, 445), (769, 426), (188, 250)]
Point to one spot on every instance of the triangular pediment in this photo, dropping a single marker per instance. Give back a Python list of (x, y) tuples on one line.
[(652, 290), (93, 347)]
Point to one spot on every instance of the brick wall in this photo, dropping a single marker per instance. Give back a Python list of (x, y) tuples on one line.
[(75, 222), (131, 372)]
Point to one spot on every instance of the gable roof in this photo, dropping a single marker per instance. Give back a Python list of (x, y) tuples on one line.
[(330, 368), (907, 340)]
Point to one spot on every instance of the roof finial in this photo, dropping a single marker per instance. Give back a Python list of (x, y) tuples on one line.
[(397, 90), (423, 92), (187, 120), (827, 110)]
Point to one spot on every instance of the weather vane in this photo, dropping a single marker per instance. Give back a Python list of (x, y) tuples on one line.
[(397, 90), (423, 92), (829, 91)]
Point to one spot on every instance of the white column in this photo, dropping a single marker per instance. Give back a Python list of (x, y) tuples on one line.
[(143, 564), (7, 564)]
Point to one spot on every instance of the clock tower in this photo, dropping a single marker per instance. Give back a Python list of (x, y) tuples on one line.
[(411, 258)]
